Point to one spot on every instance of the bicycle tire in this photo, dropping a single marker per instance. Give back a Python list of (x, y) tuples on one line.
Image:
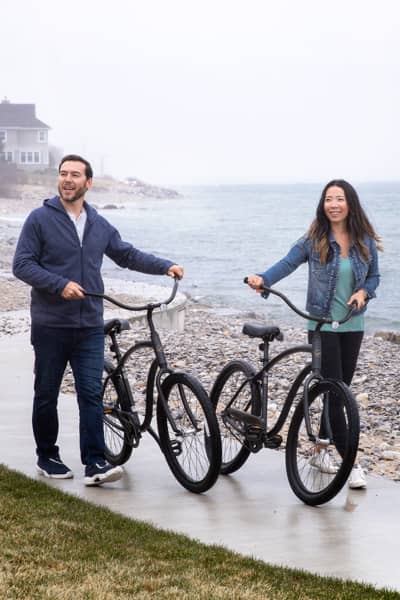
[(117, 438), (234, 450), (193, 455), (312, 483)]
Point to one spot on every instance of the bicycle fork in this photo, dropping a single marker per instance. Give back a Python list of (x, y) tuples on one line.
[(316, 375)]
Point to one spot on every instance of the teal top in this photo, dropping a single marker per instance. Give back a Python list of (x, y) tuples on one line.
[(344, 289)]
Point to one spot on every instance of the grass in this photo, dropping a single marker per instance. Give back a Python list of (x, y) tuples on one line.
[(53, 545)]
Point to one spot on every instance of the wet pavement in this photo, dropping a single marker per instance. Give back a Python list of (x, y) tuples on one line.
[(253, 512)]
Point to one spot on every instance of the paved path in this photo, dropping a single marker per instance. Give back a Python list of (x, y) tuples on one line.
[(254, 512)]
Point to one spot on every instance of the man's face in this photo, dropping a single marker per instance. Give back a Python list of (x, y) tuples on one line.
[(72, 182)]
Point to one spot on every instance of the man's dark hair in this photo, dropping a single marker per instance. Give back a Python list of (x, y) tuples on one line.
[(77, 158)]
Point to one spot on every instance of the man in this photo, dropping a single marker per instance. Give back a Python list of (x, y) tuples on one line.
[(59, 253)]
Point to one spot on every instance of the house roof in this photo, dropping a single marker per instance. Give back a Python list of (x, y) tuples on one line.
[(19, 115)]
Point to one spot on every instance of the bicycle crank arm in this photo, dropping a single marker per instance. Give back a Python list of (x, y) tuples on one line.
[(244, 417)]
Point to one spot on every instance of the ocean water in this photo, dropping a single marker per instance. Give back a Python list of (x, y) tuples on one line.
[(223, 233)]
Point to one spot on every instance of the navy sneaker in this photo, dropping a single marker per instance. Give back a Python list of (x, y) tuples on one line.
[(102, 473), (53, 468)]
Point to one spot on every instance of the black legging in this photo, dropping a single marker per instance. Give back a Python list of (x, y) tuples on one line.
[(339, 354)]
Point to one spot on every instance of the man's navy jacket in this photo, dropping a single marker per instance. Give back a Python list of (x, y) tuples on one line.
[(49, 255)]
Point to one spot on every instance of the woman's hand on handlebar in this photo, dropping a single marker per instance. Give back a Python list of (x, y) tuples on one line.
[(358, 298), (255, 282), (176, 271)]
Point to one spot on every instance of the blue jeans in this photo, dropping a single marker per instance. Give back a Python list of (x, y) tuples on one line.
[(84, 349)]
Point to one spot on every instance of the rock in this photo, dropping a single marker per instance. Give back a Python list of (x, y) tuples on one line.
[(390, 336), (391, 455), (180, 364), (362, 399)]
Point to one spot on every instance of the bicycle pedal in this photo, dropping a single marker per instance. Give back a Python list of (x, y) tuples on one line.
[(273, 442), (254, 437)]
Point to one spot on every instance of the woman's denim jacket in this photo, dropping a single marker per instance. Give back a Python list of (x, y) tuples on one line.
[(322, 278)]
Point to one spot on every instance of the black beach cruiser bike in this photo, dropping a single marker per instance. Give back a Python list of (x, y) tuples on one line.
[(187, 428), (323, 431)]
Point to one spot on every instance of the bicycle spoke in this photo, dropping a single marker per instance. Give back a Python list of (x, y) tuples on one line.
[(192, 445), (318, 468), (232, 389)]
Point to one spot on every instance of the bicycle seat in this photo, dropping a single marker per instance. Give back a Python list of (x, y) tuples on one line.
[(116, 325), (266, 332)]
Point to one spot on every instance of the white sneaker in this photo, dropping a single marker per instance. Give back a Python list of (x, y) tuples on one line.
[(322, 461), (357, 479)]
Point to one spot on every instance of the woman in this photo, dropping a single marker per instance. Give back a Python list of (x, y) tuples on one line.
[(341, 250)]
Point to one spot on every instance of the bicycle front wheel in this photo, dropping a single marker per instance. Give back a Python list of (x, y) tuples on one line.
[(317, 470), (117, 436), (234, 387), (192, 447)]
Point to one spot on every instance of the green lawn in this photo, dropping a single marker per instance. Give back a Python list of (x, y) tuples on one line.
[(53, 545)]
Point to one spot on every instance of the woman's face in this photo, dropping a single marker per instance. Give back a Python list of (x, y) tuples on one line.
[(335, 205)]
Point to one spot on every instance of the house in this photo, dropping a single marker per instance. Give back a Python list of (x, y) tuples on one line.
[(23, 137)]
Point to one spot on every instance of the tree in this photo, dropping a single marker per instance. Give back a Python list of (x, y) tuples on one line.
[(9, 174), (55, 155)]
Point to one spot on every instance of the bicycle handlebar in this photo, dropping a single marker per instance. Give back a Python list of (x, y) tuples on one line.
[(149, 306), (323, 320)]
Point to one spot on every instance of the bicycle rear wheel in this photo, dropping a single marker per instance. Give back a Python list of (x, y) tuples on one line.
[(233, 382), (193, 452), (317, 470), (117, 429)]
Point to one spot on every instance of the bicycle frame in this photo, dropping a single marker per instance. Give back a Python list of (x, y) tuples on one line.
[(323, 431), (187, 430), (261, 379), (309, 373), (160, 358)]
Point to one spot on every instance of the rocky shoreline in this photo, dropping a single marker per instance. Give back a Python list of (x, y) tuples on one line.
[(210, 340)]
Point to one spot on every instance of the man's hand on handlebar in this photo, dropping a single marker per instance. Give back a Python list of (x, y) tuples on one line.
[(176, 271), (73, 291), (255, 282)]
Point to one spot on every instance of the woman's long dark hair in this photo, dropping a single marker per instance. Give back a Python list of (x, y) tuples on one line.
[(357, 222)]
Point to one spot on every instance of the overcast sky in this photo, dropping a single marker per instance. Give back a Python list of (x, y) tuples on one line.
[(213, 91)]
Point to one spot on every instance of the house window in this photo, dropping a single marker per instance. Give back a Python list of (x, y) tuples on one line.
[(6, 156), (30, 158), (42, 136), (3, 135)]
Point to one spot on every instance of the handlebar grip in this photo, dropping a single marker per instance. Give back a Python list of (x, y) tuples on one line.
[(150, 306)]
